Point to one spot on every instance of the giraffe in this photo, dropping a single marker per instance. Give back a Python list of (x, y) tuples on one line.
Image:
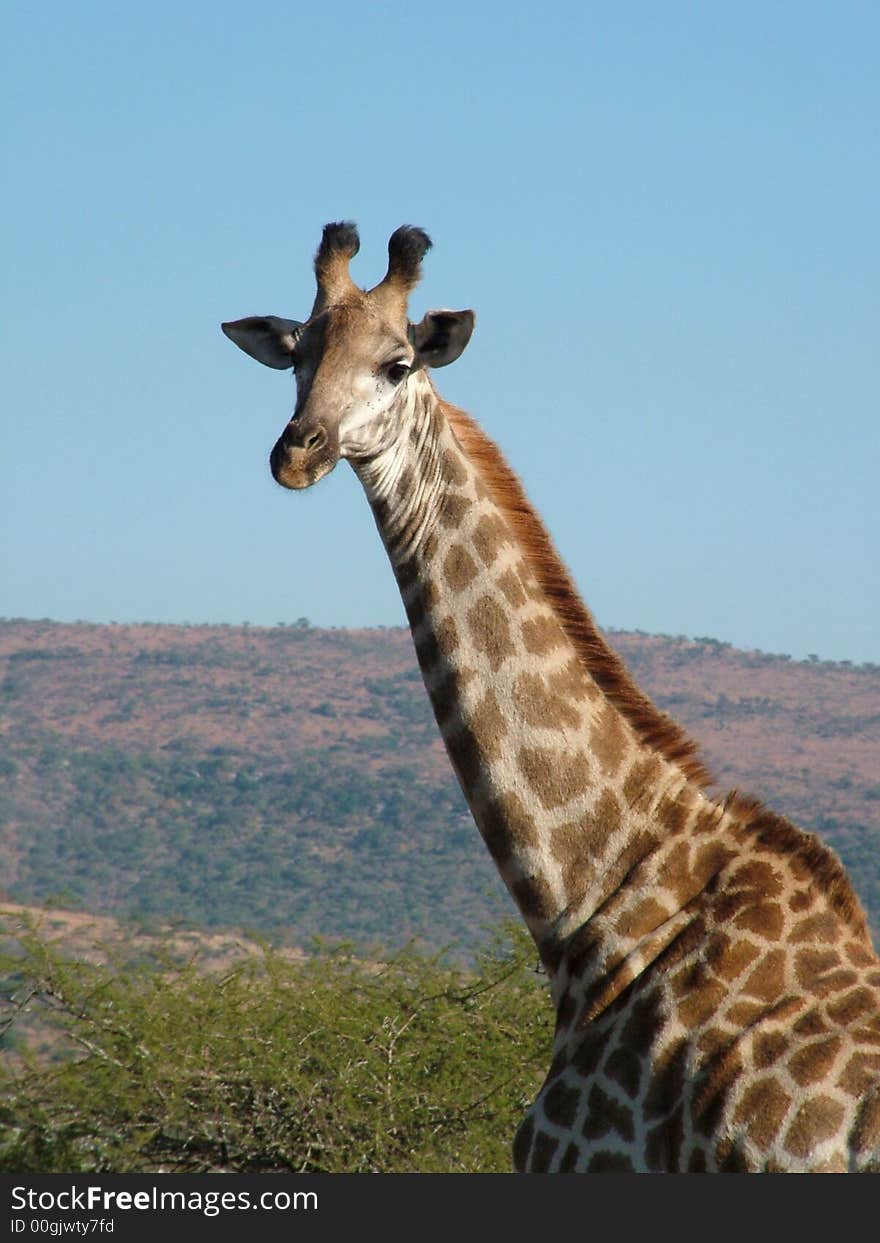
[(717, 994)]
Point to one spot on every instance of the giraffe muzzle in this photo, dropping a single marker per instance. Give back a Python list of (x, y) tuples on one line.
[(302, 455)]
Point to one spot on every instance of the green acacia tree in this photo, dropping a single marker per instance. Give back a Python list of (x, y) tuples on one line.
[(326, 1065)]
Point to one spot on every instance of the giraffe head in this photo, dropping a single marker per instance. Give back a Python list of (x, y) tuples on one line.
[(354, 357)]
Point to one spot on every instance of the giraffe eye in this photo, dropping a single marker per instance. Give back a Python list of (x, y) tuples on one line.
[(397, 371)]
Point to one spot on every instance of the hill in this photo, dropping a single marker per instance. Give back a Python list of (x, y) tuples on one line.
[(291, 781)]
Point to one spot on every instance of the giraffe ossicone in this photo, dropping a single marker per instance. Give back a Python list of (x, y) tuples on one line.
[(717, 993)]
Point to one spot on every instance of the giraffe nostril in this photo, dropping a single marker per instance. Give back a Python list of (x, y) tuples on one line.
[(308, 439), (315, 439)]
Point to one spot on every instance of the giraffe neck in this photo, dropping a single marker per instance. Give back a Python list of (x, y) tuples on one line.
[(551, 744)]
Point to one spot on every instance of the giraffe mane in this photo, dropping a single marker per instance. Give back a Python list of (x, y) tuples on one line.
[(658, 730)]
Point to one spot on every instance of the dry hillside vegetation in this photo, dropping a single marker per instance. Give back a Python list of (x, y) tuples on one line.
[(291, 780)]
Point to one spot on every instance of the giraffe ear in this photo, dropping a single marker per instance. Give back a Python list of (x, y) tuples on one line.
[(441, 336), (266, 338)]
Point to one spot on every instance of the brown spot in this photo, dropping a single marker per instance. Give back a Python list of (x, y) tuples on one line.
[(452, 509), (625, 1068), (769, 1048), (641, 919), (466, 755), (697, 1007), (569, 1161), (852, 1006), (452, 470), (608, 740), (508, 583), (489, 537), (675, 874), (866, 1131), (639, 786), (571, 846), (712, 1041), (824, 926), (542, 634), (760, 877), (837, 981), (813, 1063), (767, 981), (810, 965), (663, 1143), (816, 1120), (697, 1162), (667, 1082), (534, 897), (672, 815), (588, 1055), (561, 1104), (711, 858), (811, 1024), (541, 709), (762, 1111), (604, 1114), (644, 1024), (713, 1087), (742, 1013), (730, 958), (490, 631), (605, 818), (507, 827), (730, 1159), (488, 724), (556, 777), (543, 1151), (858, 954), (459, 568), (765, 919), (574, 845), (447, 635), (802, 900), (610, 1163)]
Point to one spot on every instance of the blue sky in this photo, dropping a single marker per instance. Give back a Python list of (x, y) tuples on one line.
[(664, 214)]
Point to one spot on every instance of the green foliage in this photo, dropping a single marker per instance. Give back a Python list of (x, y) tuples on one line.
[(327, 1065)]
